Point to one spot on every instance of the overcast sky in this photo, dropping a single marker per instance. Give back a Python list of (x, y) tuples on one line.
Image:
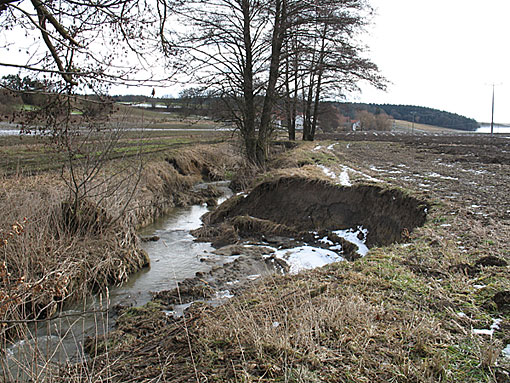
[(443, 54)]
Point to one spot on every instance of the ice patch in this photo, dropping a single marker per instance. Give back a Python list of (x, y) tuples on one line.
[(330, 147), (307, 257), (317, 148), (326, 241), (224, 294)]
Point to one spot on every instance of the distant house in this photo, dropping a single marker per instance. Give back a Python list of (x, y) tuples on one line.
[(300, 122), (355, 125), (281, 122)]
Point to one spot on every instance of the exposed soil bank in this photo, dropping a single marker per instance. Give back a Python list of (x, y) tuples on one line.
[(286, 213), (314, 205)]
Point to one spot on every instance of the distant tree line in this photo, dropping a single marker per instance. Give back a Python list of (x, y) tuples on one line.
[(412, 113)]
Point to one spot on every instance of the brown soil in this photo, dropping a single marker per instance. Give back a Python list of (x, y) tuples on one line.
[(315, 205)]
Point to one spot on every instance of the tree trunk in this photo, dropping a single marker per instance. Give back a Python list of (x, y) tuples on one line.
[(307, 110), (320, 69), (288, 104), (316, 107), (269, 99), (248, 132)]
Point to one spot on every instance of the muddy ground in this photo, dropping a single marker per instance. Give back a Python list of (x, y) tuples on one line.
[(407, 312), (468, 169)]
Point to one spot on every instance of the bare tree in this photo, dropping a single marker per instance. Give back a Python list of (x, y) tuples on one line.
[(233, 48), (325, 58), (82, 46)]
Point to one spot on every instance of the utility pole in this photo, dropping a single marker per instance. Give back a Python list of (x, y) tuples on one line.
[(492, 118)]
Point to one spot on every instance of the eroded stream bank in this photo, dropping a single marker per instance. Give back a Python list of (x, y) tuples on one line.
[(290, 224), (430, 309), (282, 226), (405, 312)]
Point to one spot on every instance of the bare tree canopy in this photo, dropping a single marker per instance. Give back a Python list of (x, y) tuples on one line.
[(323, 58), (97, 42), (255, 55), (232, 49)]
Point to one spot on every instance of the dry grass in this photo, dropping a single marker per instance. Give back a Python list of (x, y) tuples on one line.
[(393, 316), (375, 320), (404, 313), (54, 260), (62, 256)]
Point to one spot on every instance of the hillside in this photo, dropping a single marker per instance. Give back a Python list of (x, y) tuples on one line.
[(412, 113)]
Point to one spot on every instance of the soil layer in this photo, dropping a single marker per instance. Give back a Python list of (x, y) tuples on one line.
[(313, 205)]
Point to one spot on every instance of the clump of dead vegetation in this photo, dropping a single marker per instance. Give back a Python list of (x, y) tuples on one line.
[(57, 249)]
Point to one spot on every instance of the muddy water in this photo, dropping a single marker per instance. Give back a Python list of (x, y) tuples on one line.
[(174, 257)]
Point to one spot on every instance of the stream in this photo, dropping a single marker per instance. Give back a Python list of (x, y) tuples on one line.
[(174, 257)]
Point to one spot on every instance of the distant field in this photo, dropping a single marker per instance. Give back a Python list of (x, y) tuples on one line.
[(407, 126), (147, 132)]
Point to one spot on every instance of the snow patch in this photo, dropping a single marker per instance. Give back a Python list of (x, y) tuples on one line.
[(343, 178), (327, 171), (437, 175), (490, 332), (506, 351), (373, 168), (366, 176), (352, 235), (307, 257)]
